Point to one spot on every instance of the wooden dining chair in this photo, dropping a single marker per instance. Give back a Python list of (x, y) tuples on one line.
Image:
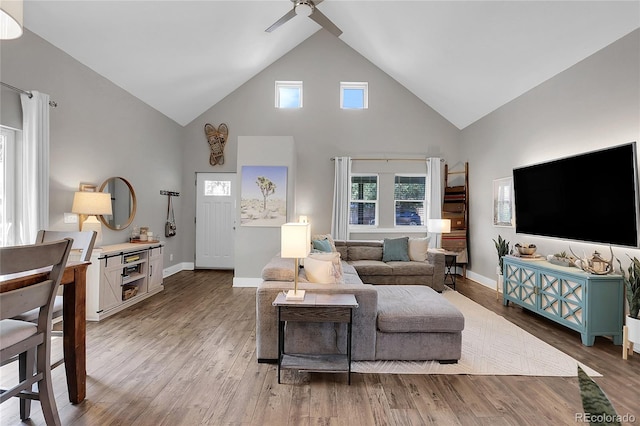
[(25, 341), (83, 241)]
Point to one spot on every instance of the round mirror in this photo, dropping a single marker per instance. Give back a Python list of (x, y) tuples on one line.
[(123, 203)]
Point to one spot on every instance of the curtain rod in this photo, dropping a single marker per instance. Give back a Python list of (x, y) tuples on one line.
[(52, 104), (388, 159)]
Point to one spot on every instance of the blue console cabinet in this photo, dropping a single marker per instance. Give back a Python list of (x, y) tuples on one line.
[(590, 304)]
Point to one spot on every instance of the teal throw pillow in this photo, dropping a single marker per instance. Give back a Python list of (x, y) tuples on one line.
[(395, 249), (322, 245)]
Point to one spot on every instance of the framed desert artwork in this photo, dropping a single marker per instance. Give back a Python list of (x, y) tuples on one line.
[(263, 196)]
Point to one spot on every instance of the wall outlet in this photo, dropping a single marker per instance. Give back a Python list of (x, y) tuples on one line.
[(70, 218), (170, 257)]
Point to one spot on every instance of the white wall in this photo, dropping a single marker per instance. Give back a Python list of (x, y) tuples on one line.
[(592, 105), (97, 131)]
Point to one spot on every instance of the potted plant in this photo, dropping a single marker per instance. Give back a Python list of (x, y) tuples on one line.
[(502, 247), (632, 291), (595, 402)]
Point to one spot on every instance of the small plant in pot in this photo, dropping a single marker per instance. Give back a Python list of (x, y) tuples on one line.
[(632, 291), (502, 247)]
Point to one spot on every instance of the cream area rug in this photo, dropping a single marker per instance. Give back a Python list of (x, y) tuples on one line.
[(491, 345)]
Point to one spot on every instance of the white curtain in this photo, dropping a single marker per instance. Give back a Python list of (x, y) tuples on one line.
[(434, 192), (341, 199), (32, 198)]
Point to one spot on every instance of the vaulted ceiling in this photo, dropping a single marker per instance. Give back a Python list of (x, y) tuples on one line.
[(462, 58)]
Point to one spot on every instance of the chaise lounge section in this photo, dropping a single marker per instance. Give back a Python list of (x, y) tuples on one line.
[(392, 322)]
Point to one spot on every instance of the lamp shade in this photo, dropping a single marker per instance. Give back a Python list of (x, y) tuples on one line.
[(11, 19), (439, 226), (92, 203), (295, 240)]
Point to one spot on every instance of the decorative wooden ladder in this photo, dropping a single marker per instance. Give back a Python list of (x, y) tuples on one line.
[(456, 208)]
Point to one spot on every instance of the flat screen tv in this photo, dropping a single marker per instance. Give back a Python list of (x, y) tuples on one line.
[(588, 197)]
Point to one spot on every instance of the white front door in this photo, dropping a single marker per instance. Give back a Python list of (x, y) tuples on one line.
[(215, 220)]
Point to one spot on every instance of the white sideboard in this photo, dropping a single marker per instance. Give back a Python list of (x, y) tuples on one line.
[(122, 275)]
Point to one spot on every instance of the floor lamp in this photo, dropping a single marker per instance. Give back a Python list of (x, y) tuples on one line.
[(439, 226), (295, 243)]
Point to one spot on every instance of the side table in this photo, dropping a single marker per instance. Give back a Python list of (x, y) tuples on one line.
[(316, 307), (450, 265)]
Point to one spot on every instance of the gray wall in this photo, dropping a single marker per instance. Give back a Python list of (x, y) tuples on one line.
[(592, 105), (396, 123), (254, 246), (97, 131)]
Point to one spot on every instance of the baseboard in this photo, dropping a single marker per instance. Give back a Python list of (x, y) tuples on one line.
[(174, 269), (267, 361), (246, 282), (481, 279)]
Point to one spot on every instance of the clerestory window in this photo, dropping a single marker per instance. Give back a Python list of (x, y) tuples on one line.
[(288, 94), (354, 95)]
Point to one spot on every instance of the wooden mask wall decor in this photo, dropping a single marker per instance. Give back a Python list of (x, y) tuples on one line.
[(217, 139)]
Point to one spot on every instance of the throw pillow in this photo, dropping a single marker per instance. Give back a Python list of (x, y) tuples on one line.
[(418, 248), (395, 249), (319, 271), (334, 258), (321, 245), (327, 237)]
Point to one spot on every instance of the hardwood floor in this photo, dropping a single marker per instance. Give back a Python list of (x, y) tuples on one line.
[(187, 356)]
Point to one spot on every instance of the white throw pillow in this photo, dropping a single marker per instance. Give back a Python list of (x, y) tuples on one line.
[(319, 271), (333, 258), (418, 248)]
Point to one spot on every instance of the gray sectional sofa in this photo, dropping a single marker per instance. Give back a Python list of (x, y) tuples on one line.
[(392, 322)]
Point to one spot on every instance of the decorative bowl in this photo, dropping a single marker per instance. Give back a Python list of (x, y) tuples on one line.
[(527, 249)]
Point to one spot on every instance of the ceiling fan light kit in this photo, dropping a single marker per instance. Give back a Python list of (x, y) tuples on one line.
[(303, 8), (307, 8)]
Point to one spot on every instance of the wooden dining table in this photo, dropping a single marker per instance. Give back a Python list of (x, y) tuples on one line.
[(74, 327)]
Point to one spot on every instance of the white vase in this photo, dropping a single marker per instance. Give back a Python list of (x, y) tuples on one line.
[(633, 326)]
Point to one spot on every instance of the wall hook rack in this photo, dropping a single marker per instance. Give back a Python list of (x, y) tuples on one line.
[(169, 193)]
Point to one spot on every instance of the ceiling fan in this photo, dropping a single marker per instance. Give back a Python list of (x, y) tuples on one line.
[(307, 8)]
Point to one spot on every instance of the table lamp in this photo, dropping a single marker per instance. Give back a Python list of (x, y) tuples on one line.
[(295, 243), (439, 226), (88, 205)]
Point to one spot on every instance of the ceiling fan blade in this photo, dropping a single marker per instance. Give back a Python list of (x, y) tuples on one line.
[(321, 19), (282, 20)]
